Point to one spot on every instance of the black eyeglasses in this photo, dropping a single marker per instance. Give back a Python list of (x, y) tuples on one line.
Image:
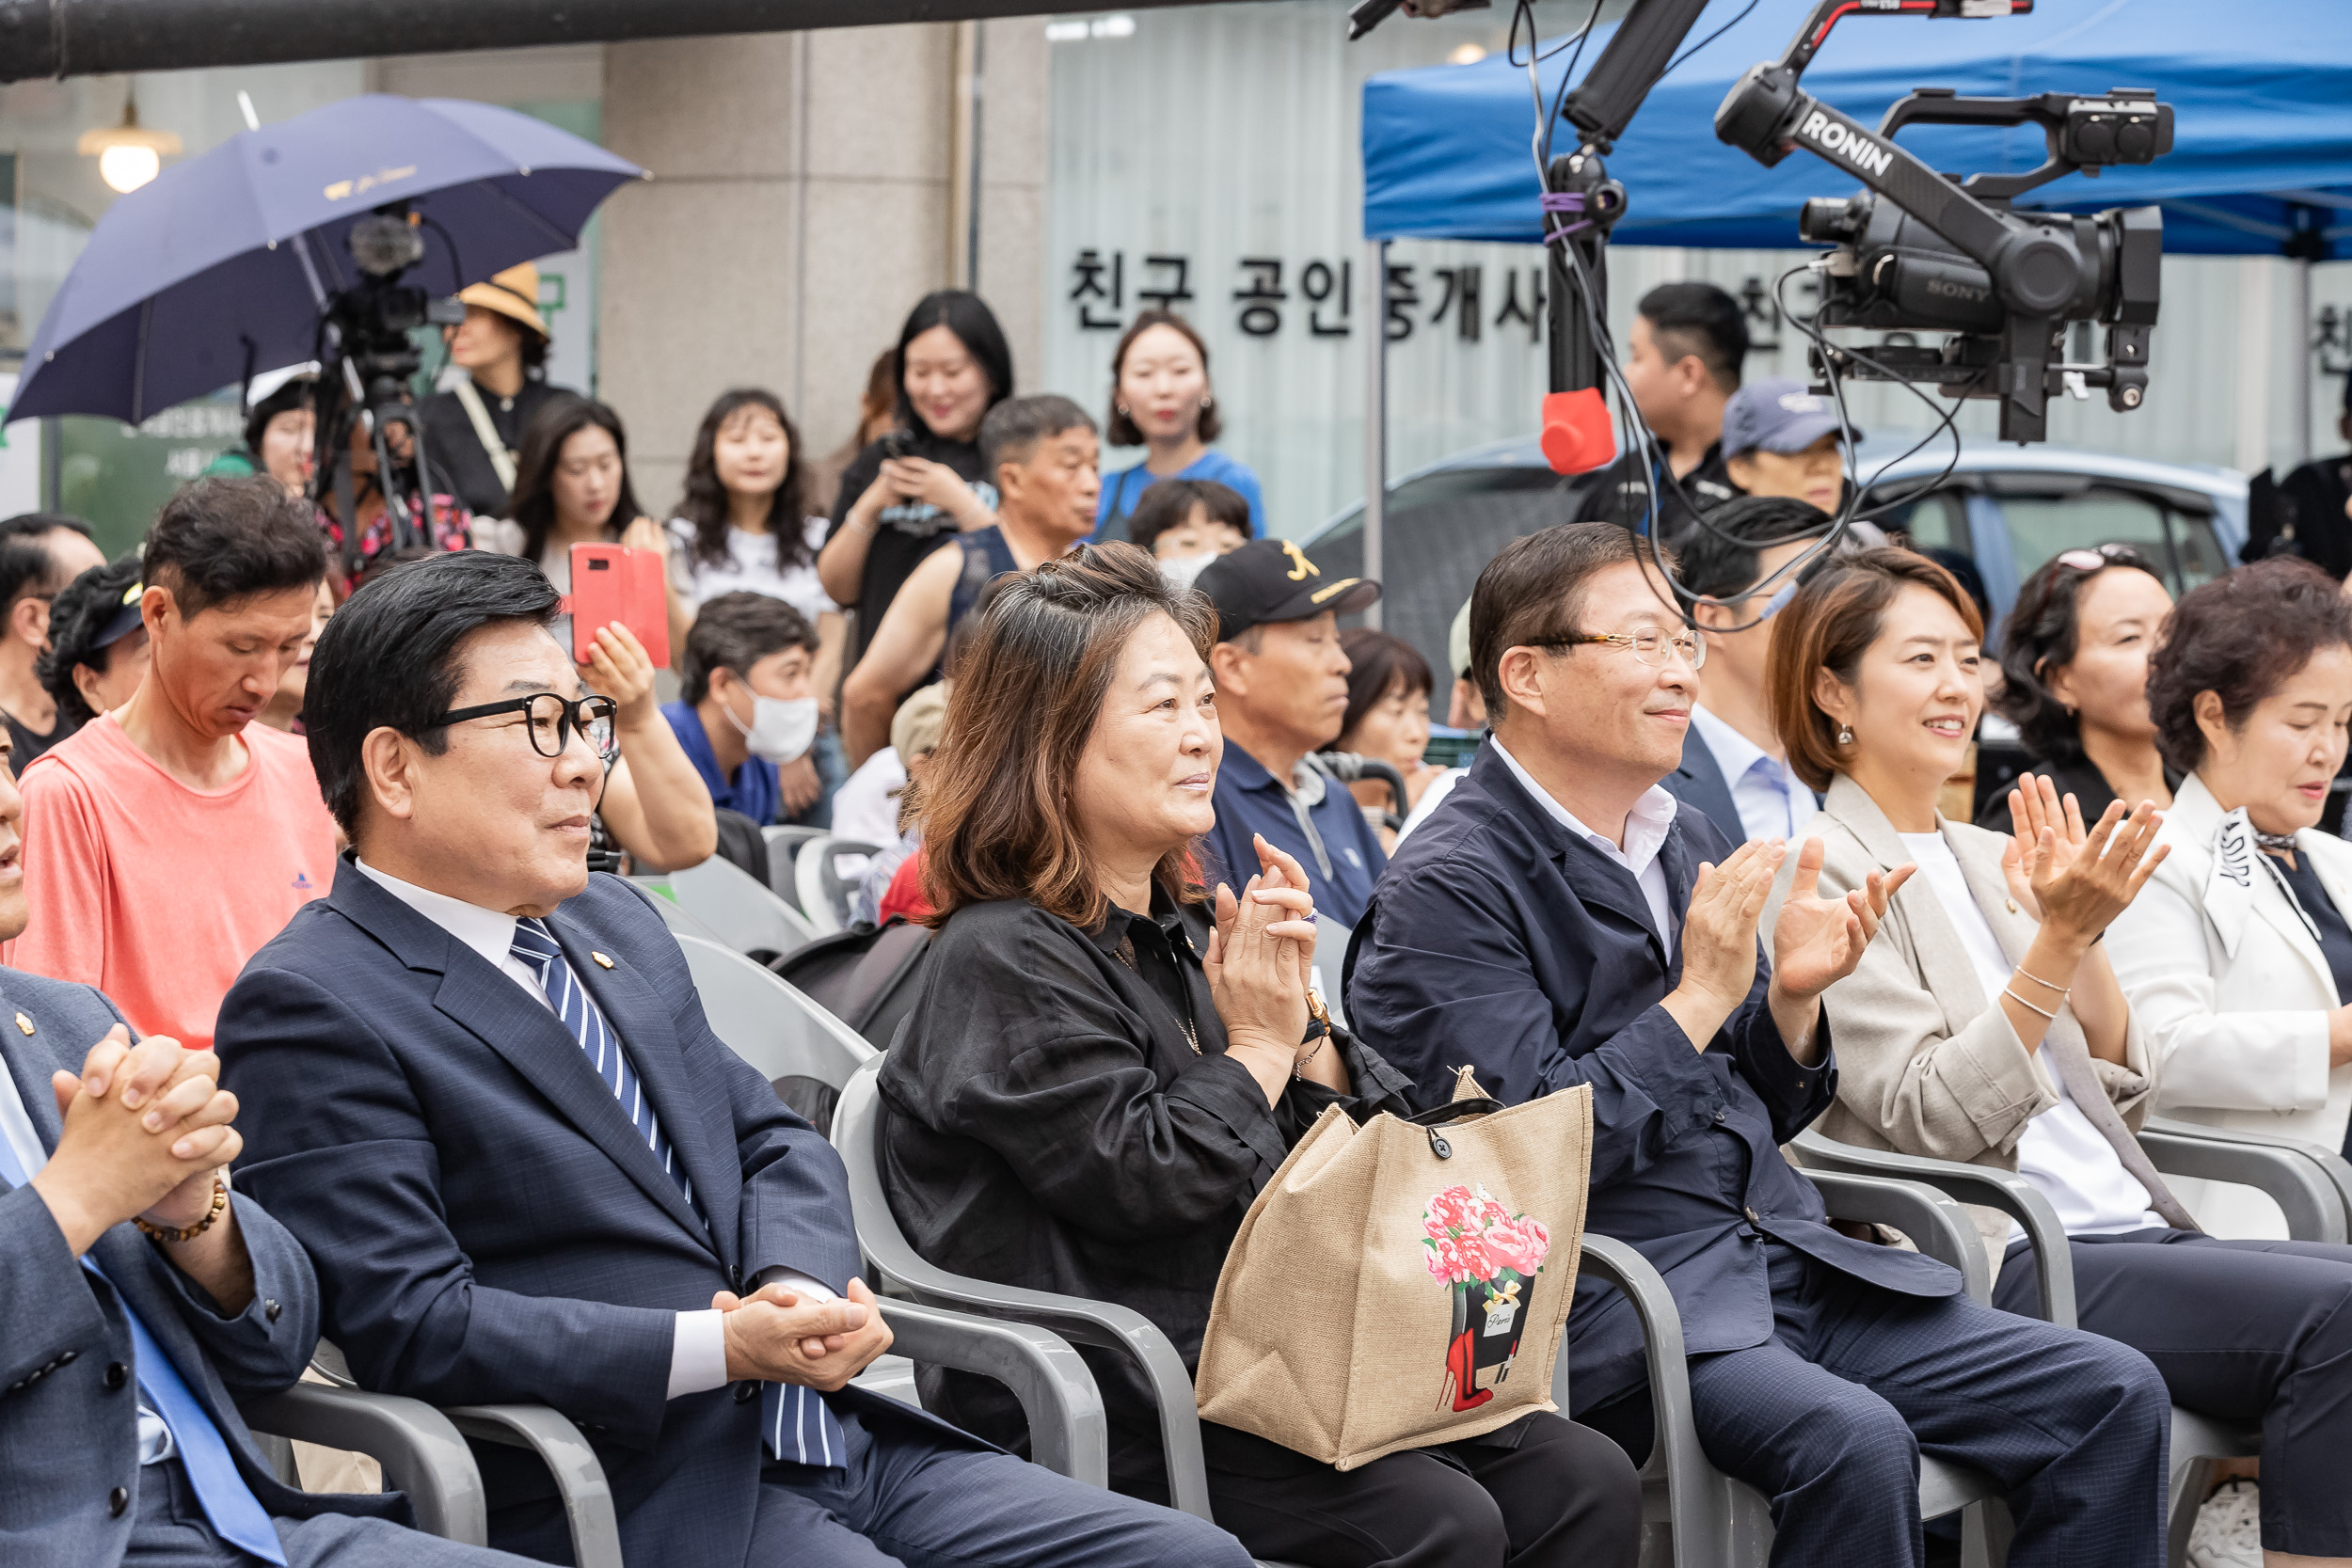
[(552, 721)]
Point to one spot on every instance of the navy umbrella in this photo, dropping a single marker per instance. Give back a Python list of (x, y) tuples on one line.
[(219, 268)]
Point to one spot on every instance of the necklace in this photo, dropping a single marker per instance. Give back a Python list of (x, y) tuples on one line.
[(1127, 957)]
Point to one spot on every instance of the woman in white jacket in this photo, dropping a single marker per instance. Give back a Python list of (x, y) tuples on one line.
[(2237, 958)]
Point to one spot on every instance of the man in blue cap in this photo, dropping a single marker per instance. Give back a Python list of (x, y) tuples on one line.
[(1780, 439)]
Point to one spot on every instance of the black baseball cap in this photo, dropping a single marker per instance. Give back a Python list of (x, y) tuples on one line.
[(1268, 580)]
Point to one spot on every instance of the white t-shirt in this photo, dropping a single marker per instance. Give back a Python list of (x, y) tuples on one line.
[(2068, 1160), (751, 563), (865, 807)]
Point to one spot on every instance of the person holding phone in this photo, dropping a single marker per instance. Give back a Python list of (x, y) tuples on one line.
[(572, 487), (912, 490)]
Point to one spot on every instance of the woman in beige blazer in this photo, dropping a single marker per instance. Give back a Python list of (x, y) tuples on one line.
[(1986, 1025)]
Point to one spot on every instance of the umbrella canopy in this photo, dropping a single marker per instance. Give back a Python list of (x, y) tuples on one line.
[(2261, 159), (215, 269)]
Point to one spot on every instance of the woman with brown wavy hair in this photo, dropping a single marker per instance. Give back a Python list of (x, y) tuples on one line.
[(1106, 1064)]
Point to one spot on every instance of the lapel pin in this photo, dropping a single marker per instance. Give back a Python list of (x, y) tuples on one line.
[(24, 1025), (602, 961), (2012, 904)]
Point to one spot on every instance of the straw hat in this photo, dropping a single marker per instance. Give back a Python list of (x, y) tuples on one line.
[(512, 294)]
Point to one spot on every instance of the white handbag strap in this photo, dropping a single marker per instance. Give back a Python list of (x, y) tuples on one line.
[(486, 431)]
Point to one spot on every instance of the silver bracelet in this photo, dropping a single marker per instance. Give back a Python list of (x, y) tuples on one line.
[(2027, 1005), (2040, 981)]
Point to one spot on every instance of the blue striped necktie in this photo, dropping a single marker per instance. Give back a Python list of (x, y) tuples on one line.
[(794, 1421), (237, 1515)]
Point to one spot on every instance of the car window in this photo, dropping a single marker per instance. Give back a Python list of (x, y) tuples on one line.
[(2041, 524), (1936, 521)]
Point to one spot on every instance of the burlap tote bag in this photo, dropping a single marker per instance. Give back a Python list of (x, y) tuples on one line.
[(1403, 1283)]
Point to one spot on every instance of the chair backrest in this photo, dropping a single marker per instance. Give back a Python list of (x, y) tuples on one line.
[(779, 1032), (739, 908), (857, 1134), (868, 978), (783, 844), (1331, 952), (826, 871), (681, 922)]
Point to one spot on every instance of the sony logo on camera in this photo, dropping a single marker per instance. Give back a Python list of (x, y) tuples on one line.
[(1950, 290), (1846, 142)]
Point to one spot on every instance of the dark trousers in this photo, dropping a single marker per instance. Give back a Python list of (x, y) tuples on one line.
[(1543, 1493), (1829, 1417), (909, 1498), (2246, 1331), (171, 1531)]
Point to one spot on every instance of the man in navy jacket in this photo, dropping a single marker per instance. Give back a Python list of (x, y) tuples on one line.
[(486, 1101), (138, 1296), (1558, 922)]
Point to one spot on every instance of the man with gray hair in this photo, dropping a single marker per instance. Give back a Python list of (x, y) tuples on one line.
[(1042, 455)]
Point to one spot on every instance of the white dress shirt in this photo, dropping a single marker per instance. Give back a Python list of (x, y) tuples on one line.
[(1645, 828), (2066, 1158), (1771, 800), (16, 1125), (698, 1354)]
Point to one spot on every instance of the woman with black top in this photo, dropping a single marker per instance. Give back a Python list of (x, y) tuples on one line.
[(913, 489), (2074, 680), (1104, 1067), (2236, 956)]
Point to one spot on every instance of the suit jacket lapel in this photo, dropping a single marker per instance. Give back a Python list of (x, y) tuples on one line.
[(1596, 879), (489, 1005), (1944, 964), (639, 1017)]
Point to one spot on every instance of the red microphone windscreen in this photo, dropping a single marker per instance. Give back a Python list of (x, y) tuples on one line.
[(1576, 436)]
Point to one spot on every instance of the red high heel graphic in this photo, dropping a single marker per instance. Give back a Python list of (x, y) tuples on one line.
[(1462, 1373)]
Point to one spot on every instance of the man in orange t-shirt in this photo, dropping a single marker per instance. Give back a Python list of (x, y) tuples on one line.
[(167, 841)]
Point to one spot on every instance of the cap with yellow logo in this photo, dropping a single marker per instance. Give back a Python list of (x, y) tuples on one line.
[(1268, 580)]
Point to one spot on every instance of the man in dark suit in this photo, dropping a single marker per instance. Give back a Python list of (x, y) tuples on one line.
[(136, 1296), (526, 1170), (1734, 767), (1558, 922)]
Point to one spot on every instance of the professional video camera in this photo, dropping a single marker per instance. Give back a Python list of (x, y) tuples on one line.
[(1939, 254), (367, 342)]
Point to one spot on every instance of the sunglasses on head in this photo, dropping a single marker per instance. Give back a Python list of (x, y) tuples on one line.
[(2103, 555)]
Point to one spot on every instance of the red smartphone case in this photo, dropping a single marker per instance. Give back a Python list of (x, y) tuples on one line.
[(608, 584)]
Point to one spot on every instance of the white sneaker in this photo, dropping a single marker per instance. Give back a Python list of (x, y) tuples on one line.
[(2229, 1529)]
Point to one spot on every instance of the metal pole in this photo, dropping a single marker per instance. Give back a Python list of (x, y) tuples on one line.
[(1375, 414), (2299, 401), (83, 38)]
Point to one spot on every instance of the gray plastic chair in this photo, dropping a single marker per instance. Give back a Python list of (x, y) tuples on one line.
[(1711, 1521), (2291, 1173), (826, 885), (673, 915), (742, 911), (423, 1453), (779, 1032), (784, 847)]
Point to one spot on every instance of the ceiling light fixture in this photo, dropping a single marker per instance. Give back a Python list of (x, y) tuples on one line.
[(128, 155)]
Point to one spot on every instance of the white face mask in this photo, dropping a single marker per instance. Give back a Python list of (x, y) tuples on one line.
[(1181, 570), (782, 728)]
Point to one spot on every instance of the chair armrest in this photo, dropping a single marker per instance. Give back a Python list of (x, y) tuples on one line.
[(578, 1476), (1696, 1505), (1067, 1432), (1087, 1322), (419, 1448), (2006, 1191), (2312, 1185), (1938, 1226)]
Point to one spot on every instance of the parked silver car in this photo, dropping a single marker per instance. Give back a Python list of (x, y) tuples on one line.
[(2008, 508)]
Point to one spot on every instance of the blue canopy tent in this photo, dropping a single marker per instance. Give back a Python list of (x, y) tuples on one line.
[(2260, 165)]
